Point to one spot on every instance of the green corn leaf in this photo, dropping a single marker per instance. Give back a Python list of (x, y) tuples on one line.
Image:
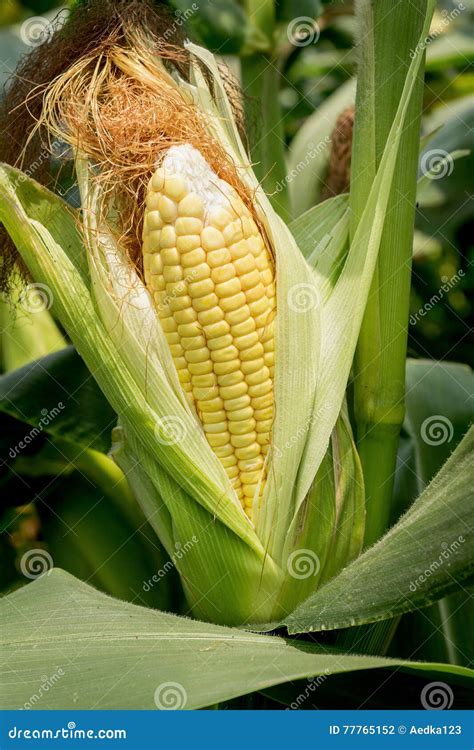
[(27, 330), (440, 409), (59, 623), (59, 394), (92, 537), (322, 234), (397, 575)]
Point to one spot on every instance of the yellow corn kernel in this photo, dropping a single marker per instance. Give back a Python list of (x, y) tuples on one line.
[(212, 239), (220, 342), (188, 226), (217, 329), (192, 258), (191, 205), (231, 378), (167, 208), (174, 187), (241, 428), (153, 221), (207, 302), (186, 242), (169, 256), (238, 415), (225, 355)]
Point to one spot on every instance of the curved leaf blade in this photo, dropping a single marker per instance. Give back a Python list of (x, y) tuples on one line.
[(390, 578), (103, 646), (57, 395)]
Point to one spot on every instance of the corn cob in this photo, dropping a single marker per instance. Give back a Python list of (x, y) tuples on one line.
[(211, 276)]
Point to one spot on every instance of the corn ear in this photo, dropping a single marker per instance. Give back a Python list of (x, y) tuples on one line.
[(211, 276)]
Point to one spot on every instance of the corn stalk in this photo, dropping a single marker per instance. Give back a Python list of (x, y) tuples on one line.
[(379, 365), (261, 78)]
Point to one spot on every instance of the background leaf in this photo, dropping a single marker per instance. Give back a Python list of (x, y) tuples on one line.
[(440, 408), (115, 655), (314, 138), (34, 391)]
